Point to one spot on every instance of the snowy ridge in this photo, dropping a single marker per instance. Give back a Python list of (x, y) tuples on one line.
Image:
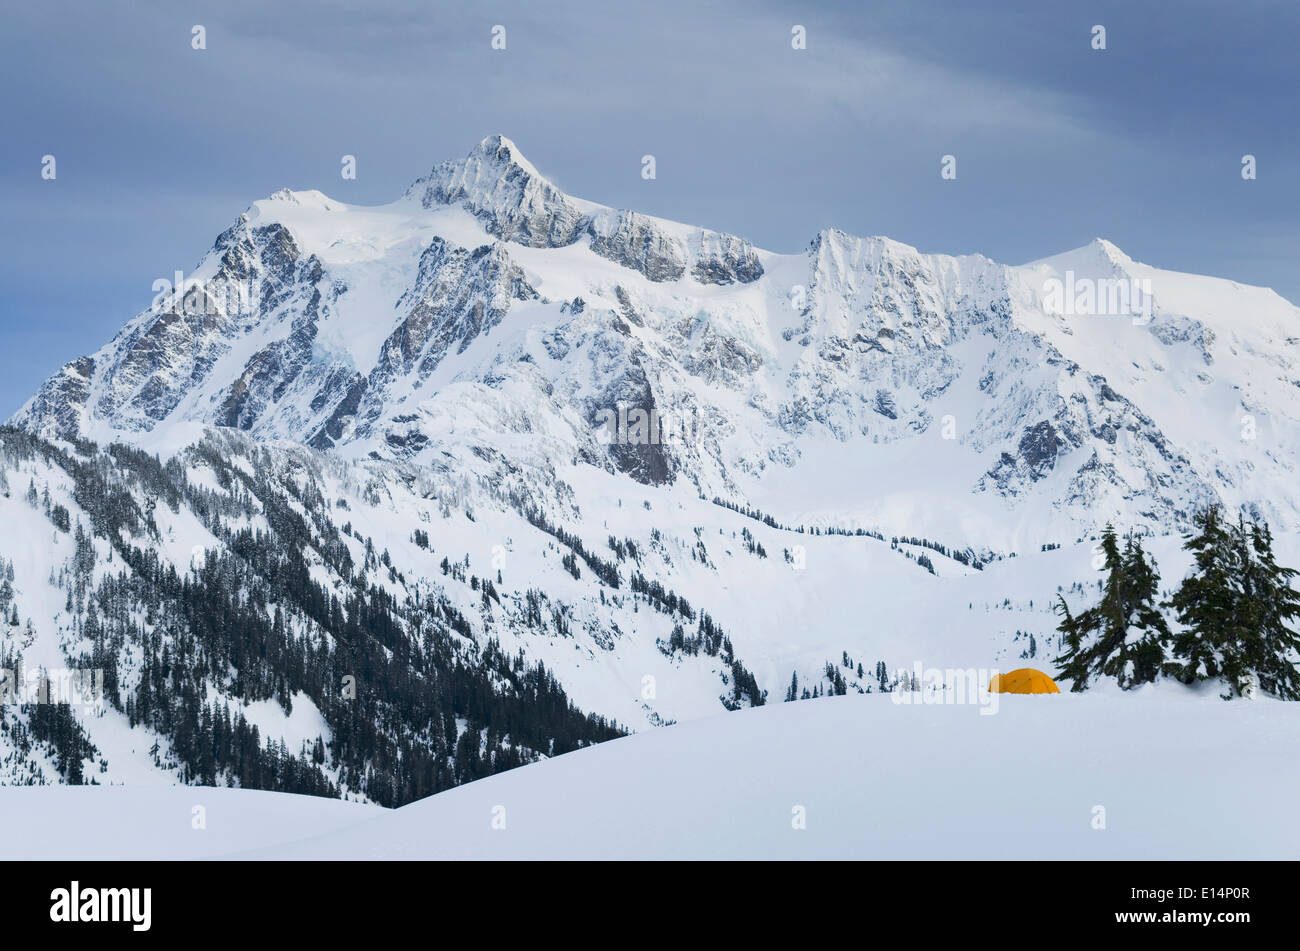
[(832, 370)]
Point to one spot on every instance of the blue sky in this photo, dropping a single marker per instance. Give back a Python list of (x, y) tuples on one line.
[(159, 147)]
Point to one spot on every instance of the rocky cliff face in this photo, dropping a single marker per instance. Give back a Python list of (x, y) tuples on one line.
[(634, 241)]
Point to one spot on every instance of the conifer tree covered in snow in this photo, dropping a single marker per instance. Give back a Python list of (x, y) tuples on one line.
[(1205, 603), (1123, 636), (1235, 612), (1236, 609), (1273, 605)]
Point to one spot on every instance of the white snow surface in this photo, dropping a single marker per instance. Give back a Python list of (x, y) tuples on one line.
[(128, 823), (1179, 777)]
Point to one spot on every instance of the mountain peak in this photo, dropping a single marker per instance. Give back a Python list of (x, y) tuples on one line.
[(1110, 251), (1098, 255), (501, 187), (503, 152), (309, 198), (494, 161)]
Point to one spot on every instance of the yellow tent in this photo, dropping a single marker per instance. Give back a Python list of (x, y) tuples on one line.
[(1024, 680)]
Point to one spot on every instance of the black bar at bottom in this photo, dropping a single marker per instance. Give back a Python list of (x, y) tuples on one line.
[(337, 901)]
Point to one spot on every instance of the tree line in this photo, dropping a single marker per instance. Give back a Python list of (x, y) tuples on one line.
[(413, 701)]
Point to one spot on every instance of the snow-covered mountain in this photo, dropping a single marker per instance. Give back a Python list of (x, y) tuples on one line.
[(492, 449), (859, 384)]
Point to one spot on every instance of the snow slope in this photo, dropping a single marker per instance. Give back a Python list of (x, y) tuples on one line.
[(103, 823), (1179, 777)]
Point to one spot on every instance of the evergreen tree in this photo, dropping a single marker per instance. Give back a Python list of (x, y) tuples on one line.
[(1124, 635), (1274, 646), (1138, 659), (1206, 603), (1236, 607)]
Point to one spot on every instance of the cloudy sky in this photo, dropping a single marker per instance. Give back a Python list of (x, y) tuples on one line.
[(159, 147)]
